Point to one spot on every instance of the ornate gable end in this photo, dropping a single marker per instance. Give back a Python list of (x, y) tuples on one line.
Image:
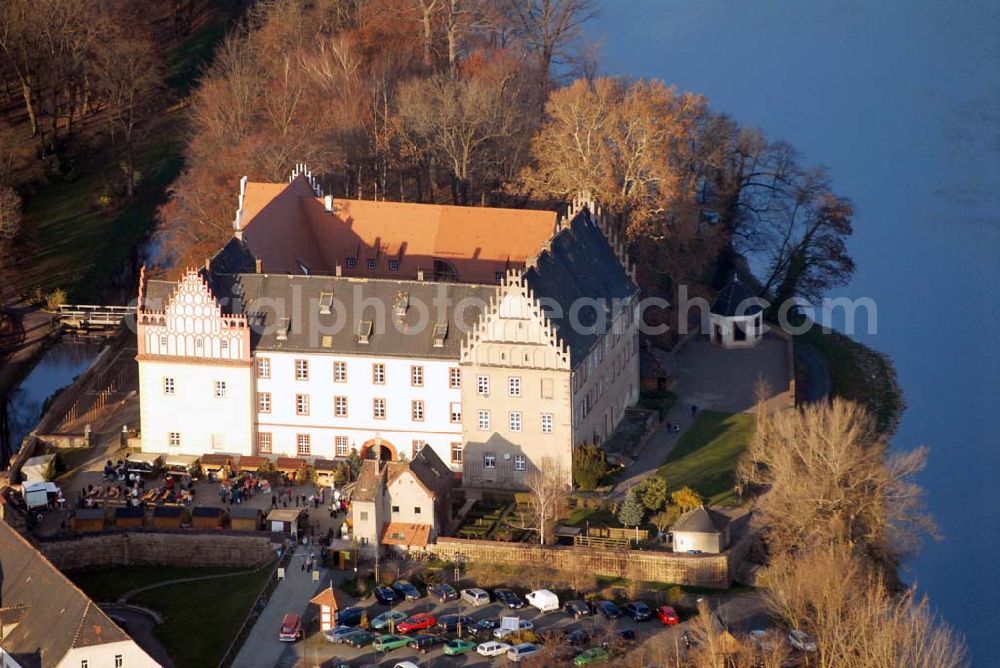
[(192, 325), (514, 331)]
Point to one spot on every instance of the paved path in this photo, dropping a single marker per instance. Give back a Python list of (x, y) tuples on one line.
[(262, 648), (655, 451)]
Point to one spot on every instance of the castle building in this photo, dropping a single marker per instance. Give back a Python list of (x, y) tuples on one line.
[(499, 338)]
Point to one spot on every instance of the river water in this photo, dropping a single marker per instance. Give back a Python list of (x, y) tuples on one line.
[(61, 364), (900, 99)]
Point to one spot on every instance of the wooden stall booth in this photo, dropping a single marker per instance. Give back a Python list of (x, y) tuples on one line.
[(219, 467), (129, 517), (326, 471), (284, 520), (87, 520), (246, 518), (207, 517), (183, 465), (169, 517)]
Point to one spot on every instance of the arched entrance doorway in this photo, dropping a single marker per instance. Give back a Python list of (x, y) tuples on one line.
[(370, 448)]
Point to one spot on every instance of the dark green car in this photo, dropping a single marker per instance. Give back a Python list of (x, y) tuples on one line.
[(591, 656), (456, 647)]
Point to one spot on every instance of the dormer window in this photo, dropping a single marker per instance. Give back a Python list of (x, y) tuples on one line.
[(364, 331), (440, 334), (372, 263), (282, 332), (352, 262), (325, 302), (402, 304), (393, 265), (499, 276)]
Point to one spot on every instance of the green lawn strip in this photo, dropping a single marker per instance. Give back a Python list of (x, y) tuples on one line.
[(107, 586), (706, 456), (597, 517), (73, 243), (202, 618), (860, 374)]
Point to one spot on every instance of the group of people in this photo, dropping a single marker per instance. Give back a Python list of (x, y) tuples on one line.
[(233, 491)]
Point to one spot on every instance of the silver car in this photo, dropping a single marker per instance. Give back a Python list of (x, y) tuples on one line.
[(476, 596)]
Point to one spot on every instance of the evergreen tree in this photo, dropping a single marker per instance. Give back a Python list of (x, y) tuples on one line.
[(654, 493), (589, 466), (632, 512)]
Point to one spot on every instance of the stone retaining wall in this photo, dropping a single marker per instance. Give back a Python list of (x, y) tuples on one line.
[(710, 570), (158, 548)]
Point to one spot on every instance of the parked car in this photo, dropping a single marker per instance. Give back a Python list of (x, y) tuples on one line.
[(482, 628), (522, 625), (405, 590), (390, 616), (523, 651), (609, 610), (337, 633), (579, 637), (457, 647), (619, 637), (424, 642), (544, 600), (493, 648), (385, 595), (476, 596), (349, 616), (508, 598), (638, 611), (291, 628), (577, 609), (591, 656), (449, 623), (418, 622), (389, 642), (360, 639), (402, 664), (667, 615), (801, 641), (443, 592)]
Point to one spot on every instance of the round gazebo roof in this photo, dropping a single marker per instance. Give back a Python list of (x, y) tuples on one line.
[(735, 300)]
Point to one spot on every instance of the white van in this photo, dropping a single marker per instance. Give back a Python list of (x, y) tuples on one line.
[(544, 600)]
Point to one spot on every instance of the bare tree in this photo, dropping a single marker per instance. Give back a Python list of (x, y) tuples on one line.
[(832, 481), (549, 491)]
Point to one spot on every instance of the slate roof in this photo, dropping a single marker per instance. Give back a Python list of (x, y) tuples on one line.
[(701, 520), (433, 473), (55, 616), (369, 480), (730, 298), (459, 305), (233, 258), (579, 264)]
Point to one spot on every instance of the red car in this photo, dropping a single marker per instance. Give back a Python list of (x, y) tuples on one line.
[(667, 615), (417, 622)]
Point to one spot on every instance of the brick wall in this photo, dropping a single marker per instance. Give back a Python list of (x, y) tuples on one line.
[(150, 548), (711, 570)]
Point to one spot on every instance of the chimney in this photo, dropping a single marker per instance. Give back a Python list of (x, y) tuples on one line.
[(328, 203), (339, 271), (208, 263), (257, 265), (420, 274)]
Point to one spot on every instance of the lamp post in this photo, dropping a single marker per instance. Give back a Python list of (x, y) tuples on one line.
[(459, 560)]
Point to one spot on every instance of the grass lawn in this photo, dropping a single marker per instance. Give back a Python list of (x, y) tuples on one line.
[(74, 244), (597, 517), (706, 456), (202, 618)]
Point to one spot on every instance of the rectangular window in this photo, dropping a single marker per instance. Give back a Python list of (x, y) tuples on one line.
[(340, 445), (455, 411), (84, 664), (483, 385), (174, 439), (378, 373), (352, 262), (416, 510), (489, 460), (498, 276), (546, 423), (302, 404), (119, 661), (364, 515), (264, 402), (515, 420), (163, 343), (168, 386), (484, 420), (417, 376), (218, 441), (265, 443), (340, 407), (454, 378), (303, 446), (393, 265), (301, 369), (546, 388), (224, 345), (372, 263), (340, 372), (519, 463), (263, 367), (417, 409), (220, 389), (456, 453), (418, 445), (395, 509), (514, 386), (378, 409)]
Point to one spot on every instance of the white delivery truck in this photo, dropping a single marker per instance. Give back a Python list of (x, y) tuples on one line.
[(39, 495), (544, 600)]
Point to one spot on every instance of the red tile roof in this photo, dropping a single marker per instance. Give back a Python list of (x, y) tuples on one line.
[(406, 535)]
